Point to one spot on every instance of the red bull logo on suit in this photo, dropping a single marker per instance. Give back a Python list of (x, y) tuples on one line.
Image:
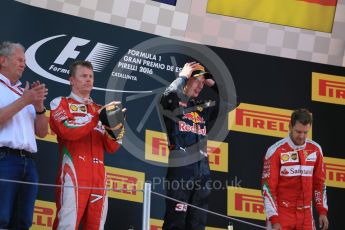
[(196, 127)]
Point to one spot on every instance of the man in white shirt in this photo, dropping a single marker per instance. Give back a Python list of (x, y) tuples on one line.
[(21, 117)]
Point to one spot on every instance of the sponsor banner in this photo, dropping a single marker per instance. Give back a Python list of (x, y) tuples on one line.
[(44, 215), (156, 224), (156, 149), (335, 172), (296, 170), (218, 155), (308, 14), (156, 146), (247, 203), (262, 120), (328, 88), (127, 180)]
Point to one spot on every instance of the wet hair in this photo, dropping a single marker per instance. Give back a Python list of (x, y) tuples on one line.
[(303, 116), (7, 48), (74, 65)]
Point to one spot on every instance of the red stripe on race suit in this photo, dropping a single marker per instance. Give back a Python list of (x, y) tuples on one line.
[(322, 2)]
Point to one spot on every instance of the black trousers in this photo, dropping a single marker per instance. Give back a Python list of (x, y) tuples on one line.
[(190, 184)]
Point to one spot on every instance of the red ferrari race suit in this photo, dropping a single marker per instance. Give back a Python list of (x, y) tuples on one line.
[(292, 175), (82, 142)]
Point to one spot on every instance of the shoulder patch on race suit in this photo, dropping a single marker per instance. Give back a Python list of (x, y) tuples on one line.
[(311, 157), (58, 113), (77, 108), (271, 150), (55, 103), (266, 170), (315, 144), (289, 157)]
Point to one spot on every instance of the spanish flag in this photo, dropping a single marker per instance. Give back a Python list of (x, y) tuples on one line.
[(308, 14)]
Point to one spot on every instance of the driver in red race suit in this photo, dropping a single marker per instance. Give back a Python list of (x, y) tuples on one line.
[(82, 141), (293, 174)]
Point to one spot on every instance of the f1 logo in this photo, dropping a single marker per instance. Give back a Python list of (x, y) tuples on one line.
[(70, 50), (99, 56)]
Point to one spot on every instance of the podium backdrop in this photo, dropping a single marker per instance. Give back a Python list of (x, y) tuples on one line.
[(135, 68)]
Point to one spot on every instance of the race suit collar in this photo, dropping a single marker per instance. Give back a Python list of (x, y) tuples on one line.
[(292, 145), (80, 99)]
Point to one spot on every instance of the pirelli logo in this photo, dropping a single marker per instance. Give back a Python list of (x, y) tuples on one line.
[(44, 214), (218, 155), (156, 149), (51, 137), (156, 224), (247, 203), (328, 88), (124, 183), (156, 146), (261, 120), (335, 172)]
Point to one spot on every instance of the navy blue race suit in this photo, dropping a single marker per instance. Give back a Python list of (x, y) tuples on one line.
[(186, 121)]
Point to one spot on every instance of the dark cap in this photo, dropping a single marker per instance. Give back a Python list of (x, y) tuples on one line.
[(198, 73), (201, 71)]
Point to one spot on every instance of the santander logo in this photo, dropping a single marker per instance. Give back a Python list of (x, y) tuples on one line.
[(285, 172), (296, 170)]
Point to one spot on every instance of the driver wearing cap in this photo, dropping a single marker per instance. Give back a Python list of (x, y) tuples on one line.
[(186, 119)]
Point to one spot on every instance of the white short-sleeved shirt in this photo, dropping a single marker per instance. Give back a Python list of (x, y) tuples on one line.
[(19, 131)]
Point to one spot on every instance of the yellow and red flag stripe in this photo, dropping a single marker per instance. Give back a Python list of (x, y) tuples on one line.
[(308, 14)]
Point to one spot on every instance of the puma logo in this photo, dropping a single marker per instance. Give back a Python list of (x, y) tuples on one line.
[(83, 158)]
